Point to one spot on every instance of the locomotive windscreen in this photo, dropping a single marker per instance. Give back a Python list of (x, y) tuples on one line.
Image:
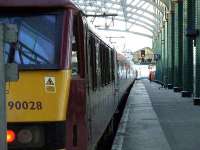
[(38, 37)]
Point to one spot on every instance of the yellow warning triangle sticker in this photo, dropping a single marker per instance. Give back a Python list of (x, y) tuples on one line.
[(50, 82)]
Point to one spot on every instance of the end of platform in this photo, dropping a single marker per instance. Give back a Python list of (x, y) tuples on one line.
[(196, 101), (186, 93), (177, 89), (170, 86)]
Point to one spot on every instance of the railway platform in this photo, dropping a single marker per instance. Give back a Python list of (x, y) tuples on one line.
[(158, 119)]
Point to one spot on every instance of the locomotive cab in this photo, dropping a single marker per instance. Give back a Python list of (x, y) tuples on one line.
[(37, 103)]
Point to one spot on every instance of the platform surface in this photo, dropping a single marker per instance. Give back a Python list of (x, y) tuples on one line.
[(158, 119)]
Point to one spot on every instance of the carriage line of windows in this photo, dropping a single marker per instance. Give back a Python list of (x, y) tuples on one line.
[(101, 60)]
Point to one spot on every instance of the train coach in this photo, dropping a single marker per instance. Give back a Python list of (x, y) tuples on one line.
[(69, 86)]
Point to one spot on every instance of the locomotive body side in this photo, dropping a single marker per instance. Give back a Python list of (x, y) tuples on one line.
[(101, 92), (37, 104), (92, 93), (51, 86)]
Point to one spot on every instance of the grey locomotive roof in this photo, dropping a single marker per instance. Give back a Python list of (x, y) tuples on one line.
[(38, 3)]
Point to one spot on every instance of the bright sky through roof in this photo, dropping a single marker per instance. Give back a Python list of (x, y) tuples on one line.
[(125, 41), (133, 16)]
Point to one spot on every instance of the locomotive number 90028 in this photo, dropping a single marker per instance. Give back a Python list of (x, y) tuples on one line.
[(24, 105)]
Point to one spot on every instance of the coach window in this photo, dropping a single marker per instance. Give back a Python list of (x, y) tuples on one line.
[(92, 48), (110, 63), (75, 55), (108, 66), (106, 63), (110, 69), (102, 64), (98, 66), (113, 65)]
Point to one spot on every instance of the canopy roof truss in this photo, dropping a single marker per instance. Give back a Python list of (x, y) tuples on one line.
[(130, 16)]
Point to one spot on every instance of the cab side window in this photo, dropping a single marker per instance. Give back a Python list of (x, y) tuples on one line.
[(75, 52)]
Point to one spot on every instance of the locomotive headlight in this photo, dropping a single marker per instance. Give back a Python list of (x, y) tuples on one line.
[(10, 136), (24, 136)]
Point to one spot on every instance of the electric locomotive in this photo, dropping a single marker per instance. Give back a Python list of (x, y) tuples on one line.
[(68, 88)]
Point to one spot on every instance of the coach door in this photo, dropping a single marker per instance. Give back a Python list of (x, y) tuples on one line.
[(78, 65), (76, 126)]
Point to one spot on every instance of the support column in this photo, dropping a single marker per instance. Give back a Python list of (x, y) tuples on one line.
[(188, 30), (163, 54), (196, 56), (166, 52), (160, 50), (156, 52), (158, 69), (178, 50), (170, 48)]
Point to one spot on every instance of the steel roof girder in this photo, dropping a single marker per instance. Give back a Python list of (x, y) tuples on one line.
[(135, 14), (152, 27), (138, 19), (134, 7), (149, 28), (118, 4), (127, 11), (132, 32), (148, 1)]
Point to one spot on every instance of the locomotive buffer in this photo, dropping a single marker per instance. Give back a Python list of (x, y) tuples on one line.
[(8, 72)]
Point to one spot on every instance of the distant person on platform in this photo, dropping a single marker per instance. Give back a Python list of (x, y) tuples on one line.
[(136, 74), (150, 76)]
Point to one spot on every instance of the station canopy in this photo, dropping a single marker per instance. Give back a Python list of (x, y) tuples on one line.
[(140, 17)]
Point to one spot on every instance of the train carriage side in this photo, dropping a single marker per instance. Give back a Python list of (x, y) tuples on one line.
[(100, 95), (102, 99), (92, 95), (125, 73)]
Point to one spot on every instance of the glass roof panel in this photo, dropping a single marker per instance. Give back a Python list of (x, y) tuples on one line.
[(132, 15)]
